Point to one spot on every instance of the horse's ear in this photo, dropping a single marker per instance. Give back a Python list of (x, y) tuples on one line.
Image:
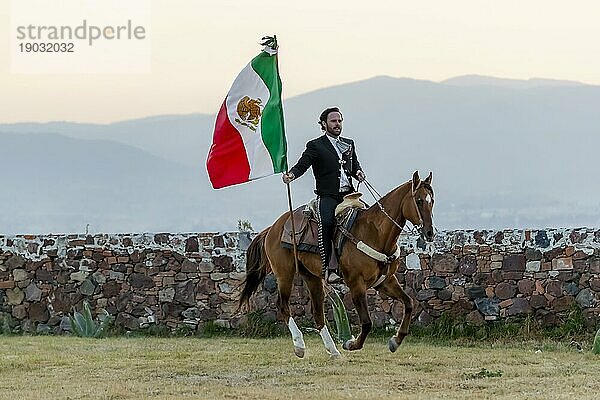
[(416, 181), (428, 180)]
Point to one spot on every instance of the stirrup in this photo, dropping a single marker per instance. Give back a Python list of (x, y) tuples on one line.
[(332, 277)]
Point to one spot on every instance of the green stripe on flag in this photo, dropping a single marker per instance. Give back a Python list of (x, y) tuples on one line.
[(272, 129)]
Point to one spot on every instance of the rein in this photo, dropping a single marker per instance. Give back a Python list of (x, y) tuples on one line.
[(374, 192)]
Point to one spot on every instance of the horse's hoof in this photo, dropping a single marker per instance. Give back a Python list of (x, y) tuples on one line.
[(299, 352), (392, 345), (348, 344), (334, 356)]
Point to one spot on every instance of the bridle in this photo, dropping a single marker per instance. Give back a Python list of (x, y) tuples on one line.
[(415, 229)]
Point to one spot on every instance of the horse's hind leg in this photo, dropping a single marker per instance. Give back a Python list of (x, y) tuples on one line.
[(284, 270), (392, 288), (317, 298)]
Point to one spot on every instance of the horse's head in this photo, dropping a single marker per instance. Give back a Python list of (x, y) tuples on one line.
[(417, 207)]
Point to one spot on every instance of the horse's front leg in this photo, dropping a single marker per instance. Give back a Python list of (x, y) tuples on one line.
[(358, 291), (392, 288)]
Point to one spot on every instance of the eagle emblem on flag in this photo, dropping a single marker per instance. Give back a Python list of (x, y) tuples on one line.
[(249, 110)]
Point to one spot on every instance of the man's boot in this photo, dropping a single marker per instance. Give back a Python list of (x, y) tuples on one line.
[(333, 275)]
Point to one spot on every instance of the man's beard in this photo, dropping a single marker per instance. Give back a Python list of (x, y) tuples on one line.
[(333, 132)]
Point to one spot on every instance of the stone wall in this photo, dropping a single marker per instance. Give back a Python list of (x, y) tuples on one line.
[(178, 280), (488, 275)]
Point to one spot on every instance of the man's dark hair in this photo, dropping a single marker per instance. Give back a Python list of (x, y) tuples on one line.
[(325, 114)]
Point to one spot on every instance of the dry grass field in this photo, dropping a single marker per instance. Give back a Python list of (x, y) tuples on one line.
[(45, 367)]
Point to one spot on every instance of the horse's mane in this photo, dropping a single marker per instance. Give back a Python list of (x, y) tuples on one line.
[(374, 206)]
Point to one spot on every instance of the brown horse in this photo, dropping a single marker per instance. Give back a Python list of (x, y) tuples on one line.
[(379, 228)]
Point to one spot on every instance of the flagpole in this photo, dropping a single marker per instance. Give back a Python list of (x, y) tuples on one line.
[(289, 194), (289, 190)]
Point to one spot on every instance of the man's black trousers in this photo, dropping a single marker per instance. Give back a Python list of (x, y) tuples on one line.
[(327, 206)]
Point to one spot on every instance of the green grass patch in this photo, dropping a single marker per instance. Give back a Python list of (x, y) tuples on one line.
[(257, 326), (449, 328), (484, 373)]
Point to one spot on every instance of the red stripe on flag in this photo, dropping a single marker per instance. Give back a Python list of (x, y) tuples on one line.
[(227, 162)]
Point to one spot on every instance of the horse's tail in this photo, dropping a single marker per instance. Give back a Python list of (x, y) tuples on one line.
[(257, 267)]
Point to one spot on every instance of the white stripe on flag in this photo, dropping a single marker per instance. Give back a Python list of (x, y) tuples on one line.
[(248, 83)]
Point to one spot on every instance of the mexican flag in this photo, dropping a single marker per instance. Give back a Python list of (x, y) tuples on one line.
[(249, 138)]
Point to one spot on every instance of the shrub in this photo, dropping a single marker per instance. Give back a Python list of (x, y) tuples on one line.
[(573, 325), (208, 329), (257, 325), (6, 324), (596, 348), (343, 332), (84, 325), (244, 226)]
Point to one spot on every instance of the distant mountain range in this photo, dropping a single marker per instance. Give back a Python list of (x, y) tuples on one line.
[(480, 80), (505, 154)]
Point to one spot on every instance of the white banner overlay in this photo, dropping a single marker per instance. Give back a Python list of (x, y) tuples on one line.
[(80, 36)]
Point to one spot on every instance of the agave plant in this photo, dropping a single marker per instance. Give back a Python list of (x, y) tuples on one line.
[(340, 317), (596, 348), (84, 325)]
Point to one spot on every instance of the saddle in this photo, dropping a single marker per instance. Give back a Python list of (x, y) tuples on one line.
[(307, 226), (306, 231)]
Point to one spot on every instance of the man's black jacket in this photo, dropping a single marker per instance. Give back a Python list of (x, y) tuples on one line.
[(325, 162)]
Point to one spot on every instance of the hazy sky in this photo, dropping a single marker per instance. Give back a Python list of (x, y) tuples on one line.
[(198, 47)]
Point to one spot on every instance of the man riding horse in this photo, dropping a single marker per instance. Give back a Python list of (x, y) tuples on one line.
[(370, 259), (334, 163)]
